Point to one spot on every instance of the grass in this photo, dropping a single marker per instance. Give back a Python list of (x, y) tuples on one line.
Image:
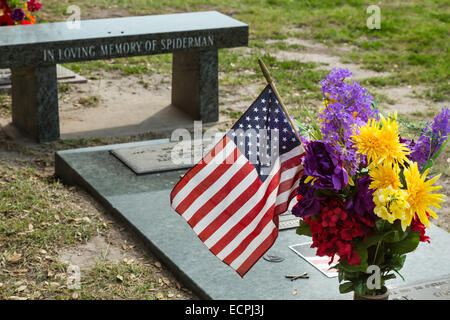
[(412, 42), (38, 217)]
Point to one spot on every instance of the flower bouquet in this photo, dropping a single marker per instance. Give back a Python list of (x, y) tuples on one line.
[(366, 195), (13, 12)]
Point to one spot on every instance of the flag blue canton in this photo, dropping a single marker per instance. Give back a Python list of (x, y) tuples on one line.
[(264, 132)]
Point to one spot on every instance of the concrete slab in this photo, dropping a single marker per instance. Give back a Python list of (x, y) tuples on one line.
[(64, 75), (143, 202)]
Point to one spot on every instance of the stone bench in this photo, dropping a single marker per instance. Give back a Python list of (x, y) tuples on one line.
[(33, 51)]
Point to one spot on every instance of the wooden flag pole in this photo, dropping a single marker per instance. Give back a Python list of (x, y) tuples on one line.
[(269, 80)]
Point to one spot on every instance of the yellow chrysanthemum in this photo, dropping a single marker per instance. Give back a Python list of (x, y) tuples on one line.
[(391, 204), (420, 198), (380, 142), (384, 175), (367, 141)]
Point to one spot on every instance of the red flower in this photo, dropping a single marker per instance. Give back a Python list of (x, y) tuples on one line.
[(33, 5), (6, 20), (416, 225), (25, 22), (334, 230)]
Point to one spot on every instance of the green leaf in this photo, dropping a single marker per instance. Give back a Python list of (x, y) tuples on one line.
[(304, 229), (361, 249), (379, 225), (373, 240), (326, 193), (346, 287), (341, 275), (396, 233), (397, 262), (360, 288), (389, 276), (409, 244)]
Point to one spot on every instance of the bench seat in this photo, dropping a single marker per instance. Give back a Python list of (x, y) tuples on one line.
[(32, 52)]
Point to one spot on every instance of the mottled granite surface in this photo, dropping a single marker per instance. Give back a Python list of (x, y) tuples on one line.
[(50, 43), (143, 202)]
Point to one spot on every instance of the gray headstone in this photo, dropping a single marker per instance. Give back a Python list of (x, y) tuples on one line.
[(162, 157)]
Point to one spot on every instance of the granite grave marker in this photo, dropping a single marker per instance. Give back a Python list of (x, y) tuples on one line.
[(33, 51)]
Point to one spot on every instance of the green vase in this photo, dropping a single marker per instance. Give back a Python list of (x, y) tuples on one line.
[(384, 295)]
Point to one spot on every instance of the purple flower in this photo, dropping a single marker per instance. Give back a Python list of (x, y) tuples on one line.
[(322, 163), (18, 14), (348, 106), (308, 205), (433, 137), (362, 203)]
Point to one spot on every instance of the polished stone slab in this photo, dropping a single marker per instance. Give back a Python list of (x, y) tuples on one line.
[(160, 157), (63, 75), (143, 202), (59, 42), (194, 38)]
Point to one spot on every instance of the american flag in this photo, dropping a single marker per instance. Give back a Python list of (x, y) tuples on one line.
[(233, 196)]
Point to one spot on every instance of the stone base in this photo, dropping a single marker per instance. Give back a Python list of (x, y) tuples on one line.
[(63, 75), (142, 201)]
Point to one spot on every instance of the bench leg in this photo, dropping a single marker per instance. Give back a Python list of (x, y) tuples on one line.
[(195, 84), (35, 102)]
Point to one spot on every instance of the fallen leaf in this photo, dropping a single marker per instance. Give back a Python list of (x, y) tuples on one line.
[(87, 219), (170, 295), (166, 281), (21, 271), (120, 278), (75, 296), (157, 264), (17, 298), (294, 292), (21, 288), (159, 296)]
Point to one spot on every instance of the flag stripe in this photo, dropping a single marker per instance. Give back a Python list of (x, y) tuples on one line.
[(234, 215), (257, 253), (247, 224), (197, 168), (238, 254), (220, 196), (217, 178), (267, 237), (202, 175), (223, 217), (287, 186), (246, 184)]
